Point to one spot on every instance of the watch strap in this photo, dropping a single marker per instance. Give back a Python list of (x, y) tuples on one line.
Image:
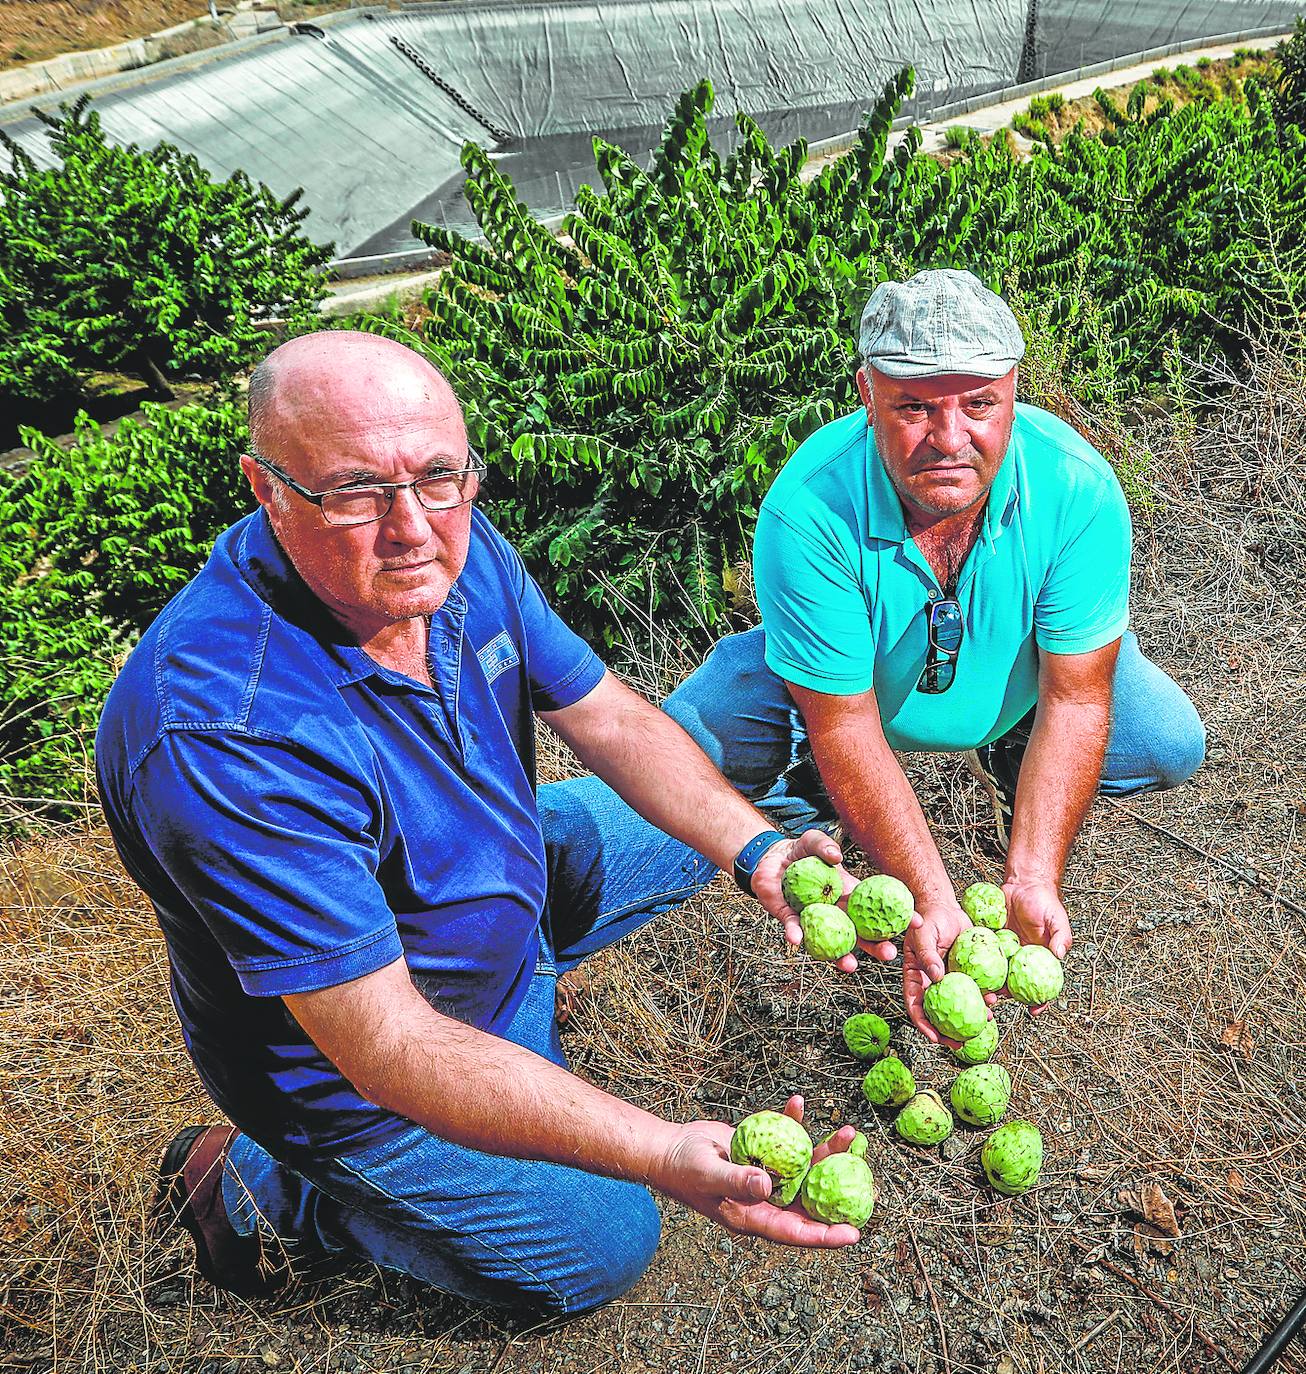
[(750, 855)]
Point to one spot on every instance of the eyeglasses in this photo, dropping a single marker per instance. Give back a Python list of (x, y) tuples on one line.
[(362, 503), (947, 628)]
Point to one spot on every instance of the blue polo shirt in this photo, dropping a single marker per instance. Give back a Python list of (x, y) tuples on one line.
[(845, 592), (301, 816)]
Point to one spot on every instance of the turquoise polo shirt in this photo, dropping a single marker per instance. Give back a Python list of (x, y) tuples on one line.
[(844, 591)]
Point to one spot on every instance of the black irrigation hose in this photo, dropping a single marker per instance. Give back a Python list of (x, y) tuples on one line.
[(423, 66), (1279, 1339)]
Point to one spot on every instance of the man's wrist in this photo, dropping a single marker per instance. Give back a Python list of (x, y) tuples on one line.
[(748, 858)]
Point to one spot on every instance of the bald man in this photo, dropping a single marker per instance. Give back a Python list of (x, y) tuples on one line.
[(319, 765)]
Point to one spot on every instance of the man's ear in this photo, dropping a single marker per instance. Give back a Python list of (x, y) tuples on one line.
[(259, 481), (865, 392)]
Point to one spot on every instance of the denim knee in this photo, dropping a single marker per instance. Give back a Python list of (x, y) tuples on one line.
[(1184, 752), (611, 1261)]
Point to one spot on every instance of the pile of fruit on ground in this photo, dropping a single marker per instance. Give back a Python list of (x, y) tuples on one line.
[(988, 957)]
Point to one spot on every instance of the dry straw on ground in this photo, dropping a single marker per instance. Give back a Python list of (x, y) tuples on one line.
[(1168, 1084)]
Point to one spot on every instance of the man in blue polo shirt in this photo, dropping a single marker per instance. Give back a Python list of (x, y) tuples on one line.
[(319, 765), (943, 570)]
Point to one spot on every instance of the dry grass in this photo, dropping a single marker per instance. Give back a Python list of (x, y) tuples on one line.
[(1177, 1059)]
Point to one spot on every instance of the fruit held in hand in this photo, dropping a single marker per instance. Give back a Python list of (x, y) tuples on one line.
[(888, 1083), (866, 1035), (1008, 940), (881, 907), (955, 1006), (778, 1144), (985, 904), (840, 1190), (858, 1145), (979, 1048), (1035, 975), (827, 931), (924, 1120), (810, 880), (976, 953), (980, 1094), (1012, 1157)]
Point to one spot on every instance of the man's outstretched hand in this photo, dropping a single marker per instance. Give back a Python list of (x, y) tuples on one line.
[(770, 873), (697, 1170), (1036, 913)]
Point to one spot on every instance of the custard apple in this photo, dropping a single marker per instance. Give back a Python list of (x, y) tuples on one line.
[(976, 952), (1012, 1157), (810, 880), (840, 1189), (1035, 975), (857, 1146), (985, 904), (827, 931), (924, 1120), (881, 907), (955, 1006), (1008, 940), (778, 1144), (980, 1094), (979, 1048), (888, 1083), (866, 1035)]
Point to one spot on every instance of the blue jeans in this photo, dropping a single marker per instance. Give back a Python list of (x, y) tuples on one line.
[(743, 717), (515, 1233)]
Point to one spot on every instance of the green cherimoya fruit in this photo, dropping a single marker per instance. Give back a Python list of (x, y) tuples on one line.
[(888, 1083), (840, 1190), (827, 931), (866, 1035), (976, 952), (1008, 940), (985, 904), (955, 1006), (980, 1094), (778, 1144), (924, 1120), (979, 1048), (881, 907), (858, 1145), (1012, 1157), (810, 880), (1035, 975)]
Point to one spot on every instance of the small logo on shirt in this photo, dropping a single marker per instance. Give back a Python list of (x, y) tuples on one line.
[(498, 655)]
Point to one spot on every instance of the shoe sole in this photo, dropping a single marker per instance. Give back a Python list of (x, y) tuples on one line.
[(994, 795)]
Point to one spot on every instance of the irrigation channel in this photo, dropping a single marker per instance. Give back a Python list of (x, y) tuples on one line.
[(367, 109)]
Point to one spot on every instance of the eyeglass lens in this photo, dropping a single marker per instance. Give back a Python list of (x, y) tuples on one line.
[(946, 629), (359, 505)]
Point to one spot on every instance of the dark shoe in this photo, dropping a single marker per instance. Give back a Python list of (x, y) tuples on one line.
[(996, 766), (190, 1195)]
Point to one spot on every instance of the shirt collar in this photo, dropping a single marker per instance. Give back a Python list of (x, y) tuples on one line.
[(263, 563)]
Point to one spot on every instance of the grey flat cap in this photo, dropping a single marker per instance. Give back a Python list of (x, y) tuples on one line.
[(938, 322)]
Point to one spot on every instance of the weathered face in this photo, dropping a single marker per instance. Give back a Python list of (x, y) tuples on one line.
[(366, 415), (942, 439)]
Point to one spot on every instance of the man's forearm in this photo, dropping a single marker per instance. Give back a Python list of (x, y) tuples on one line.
[(655, 767), (473, 1088), (1058, 780), (878, 805)]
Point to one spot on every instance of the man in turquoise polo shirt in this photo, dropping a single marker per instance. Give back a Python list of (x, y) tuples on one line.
[(943, 570)]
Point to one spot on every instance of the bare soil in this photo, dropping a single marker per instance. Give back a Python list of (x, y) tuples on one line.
[(1168, 1232)]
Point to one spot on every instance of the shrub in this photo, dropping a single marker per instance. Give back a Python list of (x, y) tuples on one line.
[(1290, 77), (958, 136), (116, 258), (97, 538)]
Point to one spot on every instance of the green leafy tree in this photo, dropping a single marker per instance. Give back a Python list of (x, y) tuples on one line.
[(97, 537), (116, 258)]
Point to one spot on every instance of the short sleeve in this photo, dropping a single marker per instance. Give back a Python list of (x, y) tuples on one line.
[(275, 850), (1084, 601), (814, 611), (561, 667)]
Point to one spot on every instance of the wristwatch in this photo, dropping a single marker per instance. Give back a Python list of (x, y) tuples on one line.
[(750, 856)]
